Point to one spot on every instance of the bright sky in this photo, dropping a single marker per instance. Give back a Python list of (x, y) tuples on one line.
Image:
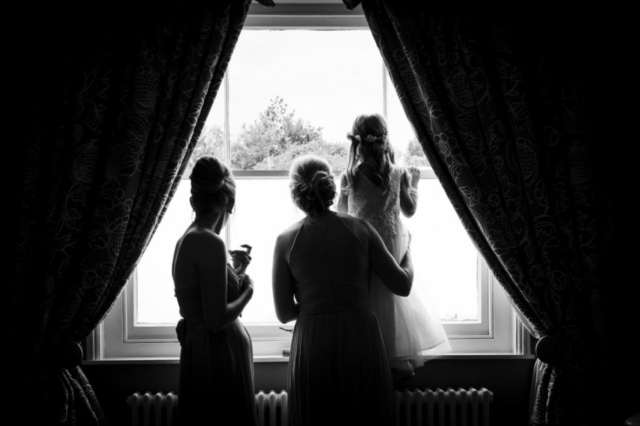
[(327, 77)]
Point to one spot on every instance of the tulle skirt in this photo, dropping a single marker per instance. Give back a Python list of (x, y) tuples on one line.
[(410, 325)]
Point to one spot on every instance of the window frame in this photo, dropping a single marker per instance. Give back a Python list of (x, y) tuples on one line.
[(120, 337)]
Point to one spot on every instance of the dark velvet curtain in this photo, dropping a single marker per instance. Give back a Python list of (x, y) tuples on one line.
[(499, 108), (114, 117)]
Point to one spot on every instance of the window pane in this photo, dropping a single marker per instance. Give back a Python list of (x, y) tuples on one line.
[(403, 138), (295, 92), (263, 210), (444, 257), (155, 300), (445, 260)]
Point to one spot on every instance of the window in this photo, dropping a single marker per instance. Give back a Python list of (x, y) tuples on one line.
[(294, 86)]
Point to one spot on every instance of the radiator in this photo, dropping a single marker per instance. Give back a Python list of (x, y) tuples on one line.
[(272, 408), (462, 407), (159, 409)]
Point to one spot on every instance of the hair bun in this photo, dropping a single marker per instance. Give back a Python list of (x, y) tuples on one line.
[(208, 176), (312, 185), (318, 178)]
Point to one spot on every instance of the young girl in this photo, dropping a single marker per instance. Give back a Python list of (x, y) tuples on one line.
[(373, 188)]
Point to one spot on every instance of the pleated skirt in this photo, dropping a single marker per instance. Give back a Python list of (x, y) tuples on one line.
[(216, 378), (338, 371)]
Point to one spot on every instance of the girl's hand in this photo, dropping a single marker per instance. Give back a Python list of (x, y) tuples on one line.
[(415, 176)]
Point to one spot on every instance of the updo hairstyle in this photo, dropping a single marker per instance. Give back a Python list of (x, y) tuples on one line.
[(212, 185), (312, 185)]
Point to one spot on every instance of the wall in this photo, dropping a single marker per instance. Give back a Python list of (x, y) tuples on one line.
[(509, 378)]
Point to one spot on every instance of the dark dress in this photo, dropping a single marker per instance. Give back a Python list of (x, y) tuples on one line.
[(338, 370), (216, 369)]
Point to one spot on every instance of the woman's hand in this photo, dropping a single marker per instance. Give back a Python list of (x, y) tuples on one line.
[(247, 283), (415, 176), (240, 260)]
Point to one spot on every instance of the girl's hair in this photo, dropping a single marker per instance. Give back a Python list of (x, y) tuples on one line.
[(370, 148), (312, 185), (212, 185)]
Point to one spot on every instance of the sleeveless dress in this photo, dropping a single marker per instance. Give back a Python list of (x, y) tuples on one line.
[(338, 369), (410, 325), (216, 369)]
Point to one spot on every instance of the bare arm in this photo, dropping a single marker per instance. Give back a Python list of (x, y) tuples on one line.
[(283, 284), (343, 199), (211, 264), (397, 278), (409, 191)]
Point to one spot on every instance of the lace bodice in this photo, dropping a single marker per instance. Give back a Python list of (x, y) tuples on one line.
[(381, 209)]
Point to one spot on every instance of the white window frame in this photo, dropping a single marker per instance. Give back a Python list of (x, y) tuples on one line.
[(120, 337)]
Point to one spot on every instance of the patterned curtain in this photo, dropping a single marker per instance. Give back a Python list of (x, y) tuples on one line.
[(102, 163), (502, 121)]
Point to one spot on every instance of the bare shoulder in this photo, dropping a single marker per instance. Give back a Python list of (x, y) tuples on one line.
[(198, 241)]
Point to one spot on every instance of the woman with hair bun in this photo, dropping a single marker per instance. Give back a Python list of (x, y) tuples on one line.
[(374, 189), (216, 360), (338, 368)]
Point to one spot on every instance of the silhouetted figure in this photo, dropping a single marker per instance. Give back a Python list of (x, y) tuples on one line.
[(216, 359), (338, 370), (373, 188)]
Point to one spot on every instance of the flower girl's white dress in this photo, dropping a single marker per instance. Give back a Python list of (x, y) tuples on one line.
[(410, 325)]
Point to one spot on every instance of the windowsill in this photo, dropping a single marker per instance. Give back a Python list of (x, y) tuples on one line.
[(264, 359)]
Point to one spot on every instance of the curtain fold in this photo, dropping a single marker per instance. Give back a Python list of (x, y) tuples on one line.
[(499, 109), (105, 152)]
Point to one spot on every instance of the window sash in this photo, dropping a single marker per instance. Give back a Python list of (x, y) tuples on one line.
[(125, 337)]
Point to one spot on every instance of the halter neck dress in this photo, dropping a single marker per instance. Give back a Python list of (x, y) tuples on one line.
[(338, 369)]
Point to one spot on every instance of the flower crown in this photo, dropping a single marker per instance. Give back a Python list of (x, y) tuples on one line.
[(369, 138)]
